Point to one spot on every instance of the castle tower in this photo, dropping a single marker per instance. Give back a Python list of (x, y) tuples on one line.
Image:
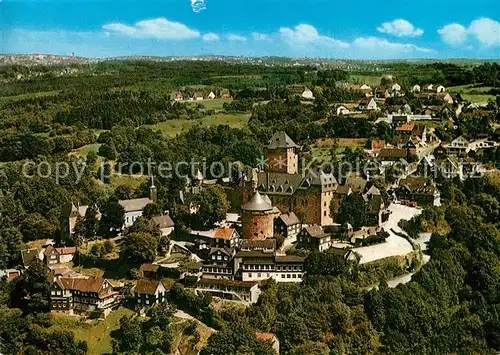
[(282, 154), (257, 218)]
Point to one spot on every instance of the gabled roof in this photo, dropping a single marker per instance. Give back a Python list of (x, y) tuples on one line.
[(289, 219), (265, 336), (163, 221), (91, 284), (147, 287), (61, 251), (405, 127), (315, 231), (356, 183), (136, 204), (224, 233), (280, 140)]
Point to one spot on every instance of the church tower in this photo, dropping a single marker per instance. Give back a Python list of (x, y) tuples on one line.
[(282, 154)]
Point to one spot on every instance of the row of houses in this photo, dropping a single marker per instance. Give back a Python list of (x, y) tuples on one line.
[(200, 96)]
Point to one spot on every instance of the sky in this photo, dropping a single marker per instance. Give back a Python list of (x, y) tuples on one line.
[(362, 29)]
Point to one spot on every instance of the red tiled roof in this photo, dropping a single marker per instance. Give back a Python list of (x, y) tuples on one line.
[(224, 233), (405, 127), (378, 144), (264, 336), (60, 251)]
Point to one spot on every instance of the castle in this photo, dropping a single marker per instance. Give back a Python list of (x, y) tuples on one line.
[(307, 193)]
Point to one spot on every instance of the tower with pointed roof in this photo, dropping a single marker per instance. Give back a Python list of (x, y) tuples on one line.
[(282, 154), (257, 218)]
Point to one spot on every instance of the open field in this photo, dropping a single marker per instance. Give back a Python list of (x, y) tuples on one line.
[(366, 79), (321, 149), (85, 150), (211, 104), (97, 334), (171, 128), (472, 94)]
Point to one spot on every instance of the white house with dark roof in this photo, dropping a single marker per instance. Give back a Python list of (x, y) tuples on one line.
[(165, 224), (288, 225), (133, 209)]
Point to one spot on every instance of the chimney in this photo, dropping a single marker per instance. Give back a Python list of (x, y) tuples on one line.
[(152, 190)]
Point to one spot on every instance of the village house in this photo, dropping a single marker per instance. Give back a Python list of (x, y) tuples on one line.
[(164, 223), (395, 87), (368, 104), (218, 237), (289, 268), (415, 88), (342, 110), (440, 89), (148, 292), (219, 264), (83, 295), (314, 238), (10, 274), (149, 271), (288, 225), (225, 94), (417, 189), (307, 94), (211, 95), (133, 208), (381, 92), (446, 97), (177, 96), (54, 255), (198, 96), (462, 145)]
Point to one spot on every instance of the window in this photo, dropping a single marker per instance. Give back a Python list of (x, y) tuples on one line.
[(259, 275), (249, 274), (294, 276), (288, 276)]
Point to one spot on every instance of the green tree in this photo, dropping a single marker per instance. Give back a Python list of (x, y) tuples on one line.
[(352, 210), (112, 219), (11, 242), (138, 248), (213, 206)]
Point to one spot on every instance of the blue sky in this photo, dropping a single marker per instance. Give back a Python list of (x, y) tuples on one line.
[(363, 29)]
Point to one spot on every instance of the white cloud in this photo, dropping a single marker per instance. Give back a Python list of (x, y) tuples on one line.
[(160, 28), (486, 30), (235, 37), (374, 43), (211, 36), (400, 28), (307, 34), (260, 36), (453, 34)]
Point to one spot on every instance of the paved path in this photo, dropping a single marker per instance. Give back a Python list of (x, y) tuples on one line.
[(394, 245)]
